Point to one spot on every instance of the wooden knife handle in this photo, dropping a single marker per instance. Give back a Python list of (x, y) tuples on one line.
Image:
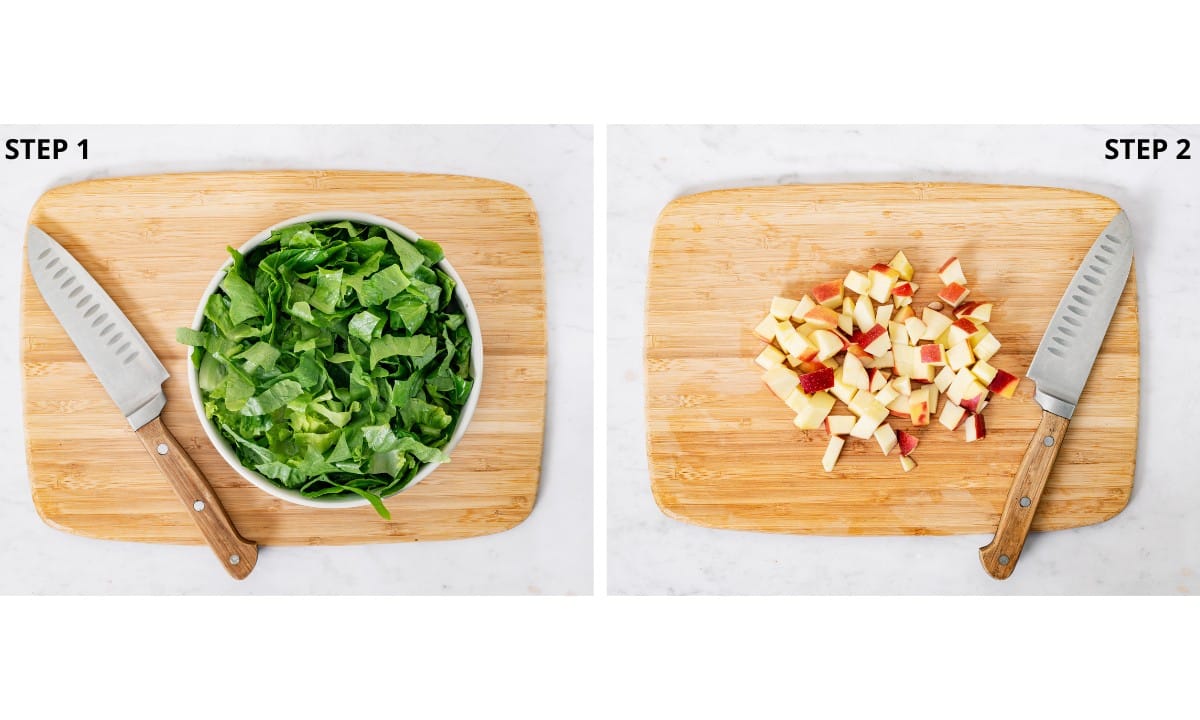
[(999, 557), (236, 553)]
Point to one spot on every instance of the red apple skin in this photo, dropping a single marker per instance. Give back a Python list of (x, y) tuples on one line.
[(907, 442), (1004, 384), (816, 381), (880, 267), (966, 325), (812, 366), (903, 289), (966, 308), (953, 294), (980, 429), (872, 335), (947, 264), (971, 405), (825, 291), (932, 353)]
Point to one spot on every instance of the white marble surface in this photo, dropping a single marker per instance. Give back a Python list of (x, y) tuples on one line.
[(1153, 547), (550, 553)]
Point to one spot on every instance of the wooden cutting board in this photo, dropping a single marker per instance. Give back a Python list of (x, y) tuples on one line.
[(154, 243), (723, 451)]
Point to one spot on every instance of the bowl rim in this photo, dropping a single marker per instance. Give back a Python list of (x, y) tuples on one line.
[(468, 410)]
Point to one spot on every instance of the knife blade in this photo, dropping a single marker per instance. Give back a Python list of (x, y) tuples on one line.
[(1060, 369), (132, 375)]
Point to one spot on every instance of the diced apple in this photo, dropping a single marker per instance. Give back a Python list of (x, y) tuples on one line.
[(899, 407), (883, 314), (975, 403), (960, 357), (907, 462), (876, 340), (765, 330), (885, 360), (886, 437), (960, 330), (857, 282), (975, 428), (902, 385), (839, 424), (907, 442), (981, 312), (915, 328), (951, 272), (816, 381), (898, 333), (953, 294), (878, 380), (782, 308), (853, 373), (982, 370), (807, 366), (806, 303), (832, 451), (986, 346), (933, 398), (952, 416), (921, 371), (933, 354), (781, 381), (962, 379), (1003, 384), (769, 357), (798, 346), (845, 323), (828, 344), (864, 403), (796, 400), (902, 266), (822, 318), (882, 283), (864, 313), (829, 294), (841, 389), (905, 290), (943, 379), (812, 416), (904, 313), (904, 358), (886, 395), (935, 323), (918, 406)]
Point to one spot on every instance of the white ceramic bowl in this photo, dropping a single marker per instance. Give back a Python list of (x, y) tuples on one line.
[(293, 496)]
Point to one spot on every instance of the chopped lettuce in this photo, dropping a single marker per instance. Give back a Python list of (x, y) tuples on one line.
[(335, 359)]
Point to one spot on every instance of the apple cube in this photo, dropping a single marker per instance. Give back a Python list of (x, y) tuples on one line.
[(975, 311), (829, 294), (883, 314), (841, 389), (907, 442), (953, 294), (960, 357), (886, 395), (882, 283), (857, 282), (822, 318), (904, 290), (812, 415), (960, 330), (828, 344), (845, 323), (986, 346), (864, 403), (902, 385), (876, 340), (952, 416), (951, 272), (832, 451), (974, 403), (983, 371), (798, 346), (898, 332), (975, 428), (868, 423), (962, 379), (879, 379), (915, 328), (886, 437), (935, 324), (904, 313), (907, 462), (781, 381), (782, 308), (769, 357), (796, 400), (839, 424), (933, 354), (902, 266), (885, 360), (918, 406), (905, 357), (899, 407), (806, 303), (1003, 384), (944, 377), (816, 381), (864, 313), (853, 373), (765, 330)]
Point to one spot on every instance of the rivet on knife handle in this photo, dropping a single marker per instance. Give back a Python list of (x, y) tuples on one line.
[(236, 553), (999, 557)]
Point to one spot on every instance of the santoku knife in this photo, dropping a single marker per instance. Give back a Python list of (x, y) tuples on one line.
[(1060, 368), (133, 377)]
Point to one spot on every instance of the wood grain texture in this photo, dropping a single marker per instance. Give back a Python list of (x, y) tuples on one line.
[(999, 557), (154, 242), (237, 554), (722, 448)]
